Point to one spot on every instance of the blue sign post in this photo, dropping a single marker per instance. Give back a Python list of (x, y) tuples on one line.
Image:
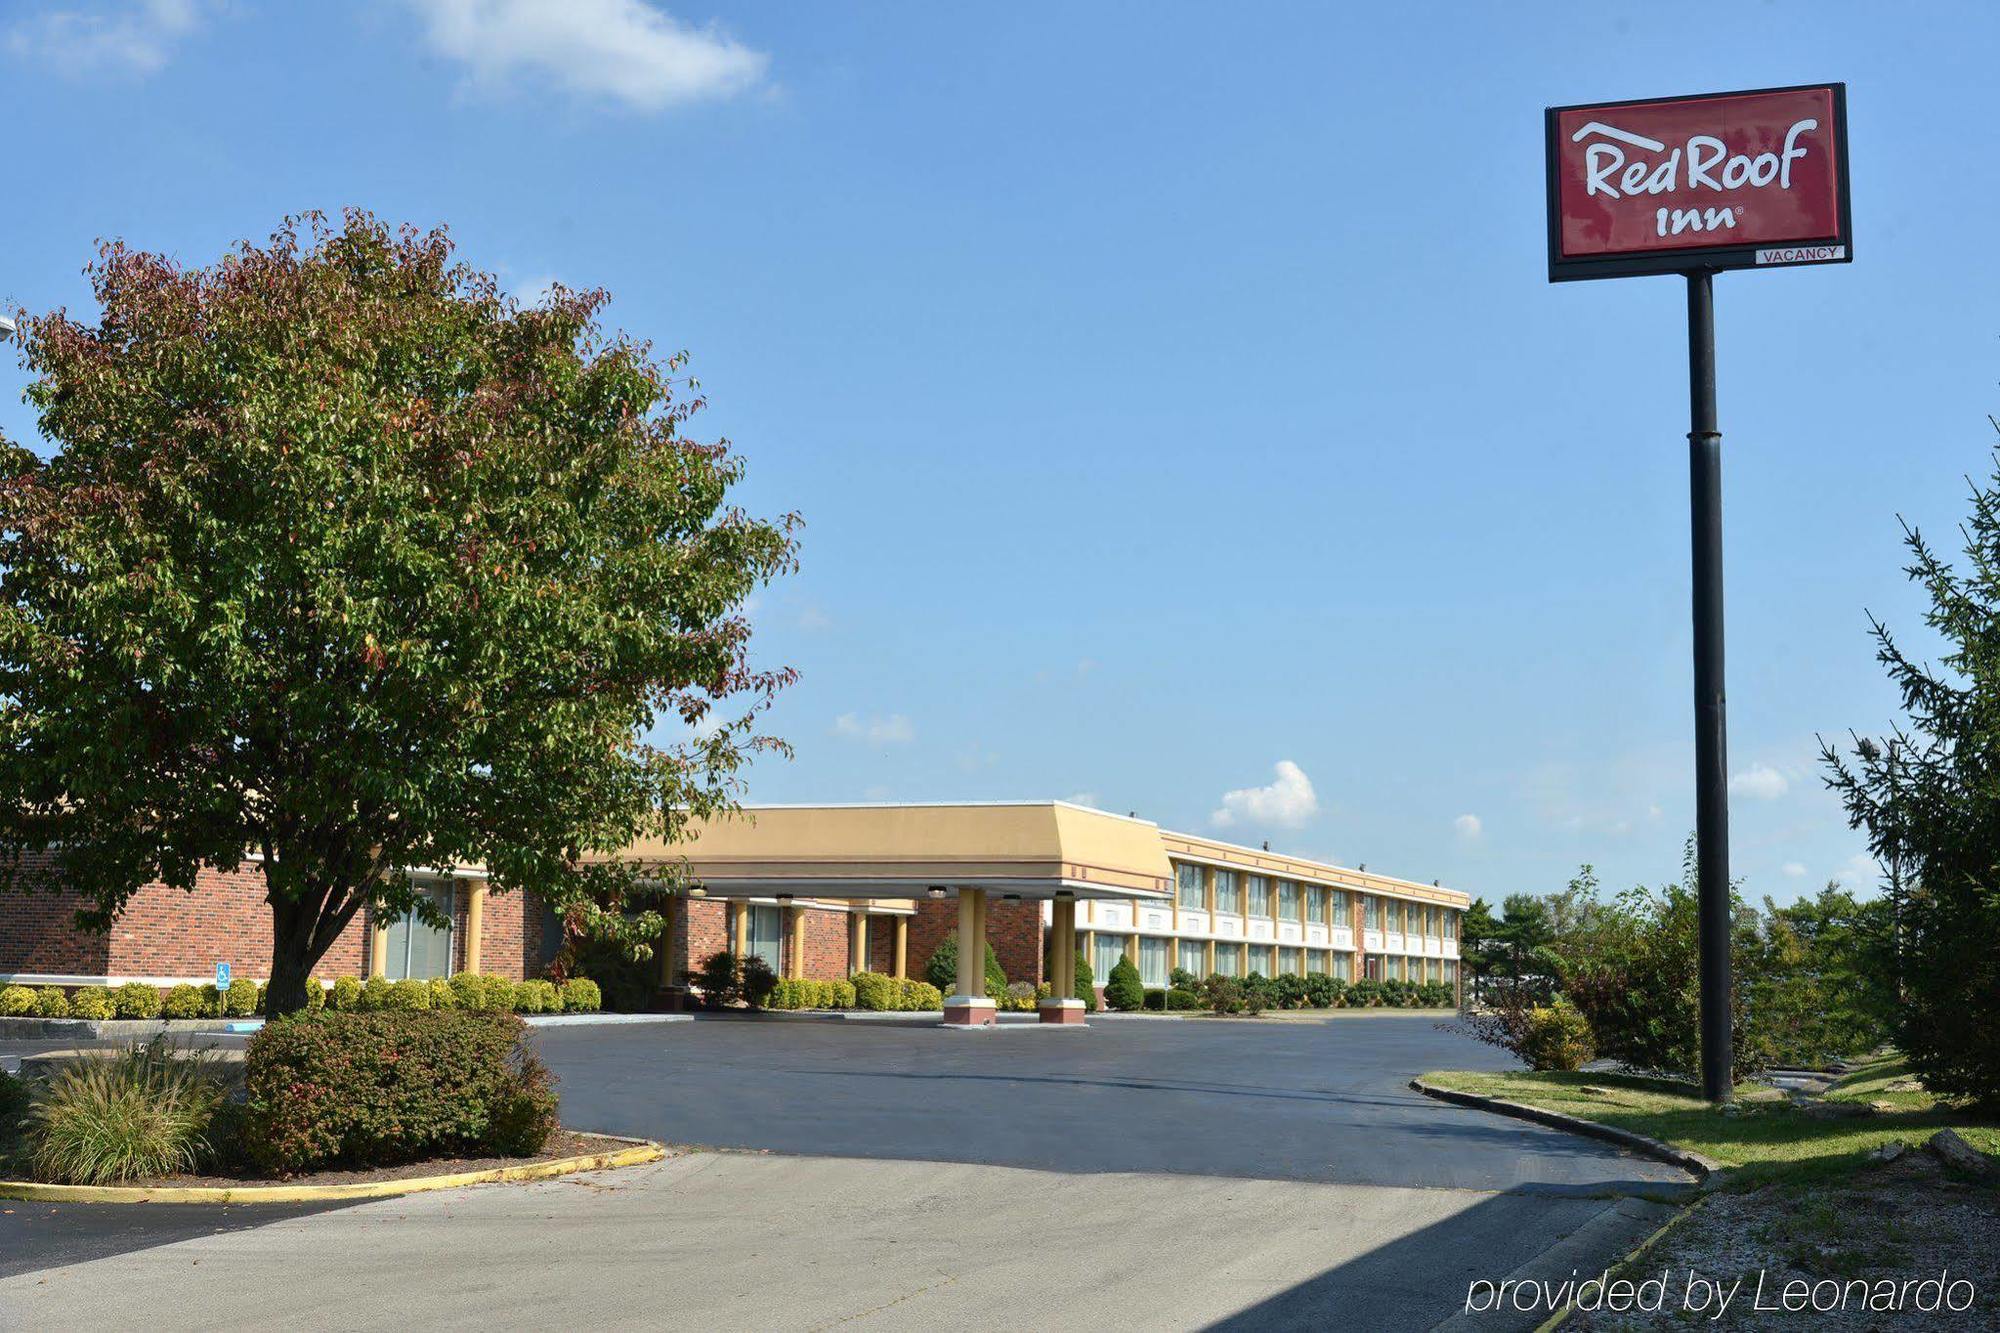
[(222, 976)]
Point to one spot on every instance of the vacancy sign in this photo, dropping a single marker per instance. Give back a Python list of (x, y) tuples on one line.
[(1682, 184)]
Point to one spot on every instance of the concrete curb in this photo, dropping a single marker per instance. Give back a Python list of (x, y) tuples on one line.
[(1637, 1253), (637, 1153), (586, 1020), (821, 1015), (1700, 1167), (139, 1029)]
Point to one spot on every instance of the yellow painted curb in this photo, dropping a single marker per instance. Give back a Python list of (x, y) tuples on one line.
[(639, 1153), (1556, 1320)]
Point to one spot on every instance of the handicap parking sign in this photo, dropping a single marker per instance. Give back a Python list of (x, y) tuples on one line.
[(222, 976)]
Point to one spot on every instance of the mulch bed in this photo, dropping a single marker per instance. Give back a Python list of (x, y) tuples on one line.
[(563, 1143)]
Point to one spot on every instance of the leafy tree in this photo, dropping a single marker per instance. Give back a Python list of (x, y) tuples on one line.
[(1123, 989), (1926, 795), (942, 968), (1476, 941), (346, 561)]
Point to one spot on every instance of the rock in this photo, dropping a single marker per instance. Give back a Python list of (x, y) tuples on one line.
[(1595, 1091), (1954, 1151), (1904, 1085), (1889, 1151), (1835, 1110)]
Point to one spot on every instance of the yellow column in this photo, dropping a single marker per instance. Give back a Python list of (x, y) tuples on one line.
[(971, 963), (857, 940), (378, 949), (902, 946), (475, 917), (798, 915), (663, 947), (739, 928), (1068, 909)]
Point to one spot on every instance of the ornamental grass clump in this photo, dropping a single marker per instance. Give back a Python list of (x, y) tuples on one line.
[(141, 1114)]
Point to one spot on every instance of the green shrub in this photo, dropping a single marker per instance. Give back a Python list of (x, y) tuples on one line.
[(13, 1100), (624, 984), (942, 969), (715, 978), (143, 1113), (1183, 997), (1086, 983), (470, 990), (1182, 979), (240, 1001), (182, 1001), (1322, 991), (536, 997), (789, 994), (920, 996), (1364, 994), (499, 994), (1288, 991), (375, 994), (876, 992), (1557, 1037), (315, 994), (1155, 998), (135, 999), (16, 1001), (410, 995), (1222, 995), (1020, 997), (374, 1089), (211, 1001), (346, 995), (1256, 993), (581, 995), (839, 995), (441, 994), (1123, 990), (92, 1002), (52, 1002)]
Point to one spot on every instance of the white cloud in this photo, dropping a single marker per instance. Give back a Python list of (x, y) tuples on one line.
[(124, 36), (813, 618), (624, 50), (1468, 826), (876, 729), (1862, 871), (1760, 782), (1287, 802), (1088, 798), (1792, 870)]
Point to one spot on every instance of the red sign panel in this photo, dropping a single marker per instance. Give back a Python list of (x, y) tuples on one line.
[(1727, 180)]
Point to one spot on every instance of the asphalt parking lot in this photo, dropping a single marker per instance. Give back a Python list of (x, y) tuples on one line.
[(1317, 1100)]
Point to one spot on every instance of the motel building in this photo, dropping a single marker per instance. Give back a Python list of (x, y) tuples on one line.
[(824, 891)]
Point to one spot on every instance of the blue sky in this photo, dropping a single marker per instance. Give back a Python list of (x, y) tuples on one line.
[(1174, 395)]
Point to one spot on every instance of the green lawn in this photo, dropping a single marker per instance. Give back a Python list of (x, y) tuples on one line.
[(1766, 1136)]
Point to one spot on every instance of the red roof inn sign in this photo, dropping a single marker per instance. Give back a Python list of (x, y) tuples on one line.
[(1726, 180), (1696, 185)]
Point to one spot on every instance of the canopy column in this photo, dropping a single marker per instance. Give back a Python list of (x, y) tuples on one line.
[(1061, 1005), (971, 1006)]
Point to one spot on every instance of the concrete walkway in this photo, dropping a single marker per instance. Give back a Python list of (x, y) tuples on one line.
[(755, 1241)]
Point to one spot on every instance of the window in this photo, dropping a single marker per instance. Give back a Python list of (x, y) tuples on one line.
[(1110, 948), (1343, 966), (1371, 967), (766, 934), (1288, 961), (1226, 897), (1187, 886), (1260, 897), (420, 950), (1315, 906), (1339, 907), (1260, 959), (1193, 957), (1450, 971), (1451, 925), (1288, 900), (1152, 961), (1371, 912), (1229, 960)]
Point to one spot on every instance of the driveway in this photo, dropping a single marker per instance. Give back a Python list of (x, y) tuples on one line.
[(1137, 1174), (1316, 1100)]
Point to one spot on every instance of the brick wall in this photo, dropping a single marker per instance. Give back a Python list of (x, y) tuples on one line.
[(1013, 929)]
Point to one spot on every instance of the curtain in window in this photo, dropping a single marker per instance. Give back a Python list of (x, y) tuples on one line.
[(1288, 960), (1193, 957), (1260, 959), (1371, 913), (1315, 906), (1229, 960), (1288, 900), (1187, 883), (1110, 948), (1227, 898), (1152, 961), (766, 936), (416, 949), (1260, 896), (1339, 908)]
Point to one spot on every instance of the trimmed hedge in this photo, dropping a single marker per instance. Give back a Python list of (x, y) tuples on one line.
[(581, 995), (92, 1003), (16, 1001), (52, 1002), (376, 1089)]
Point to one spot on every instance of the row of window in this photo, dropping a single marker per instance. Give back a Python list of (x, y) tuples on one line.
[(1234, 890), (1158, 956)]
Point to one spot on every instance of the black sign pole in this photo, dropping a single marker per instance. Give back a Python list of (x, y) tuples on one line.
[(1711, 723)]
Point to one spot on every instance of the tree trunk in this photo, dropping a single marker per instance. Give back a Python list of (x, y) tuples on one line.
[(290, 967)]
